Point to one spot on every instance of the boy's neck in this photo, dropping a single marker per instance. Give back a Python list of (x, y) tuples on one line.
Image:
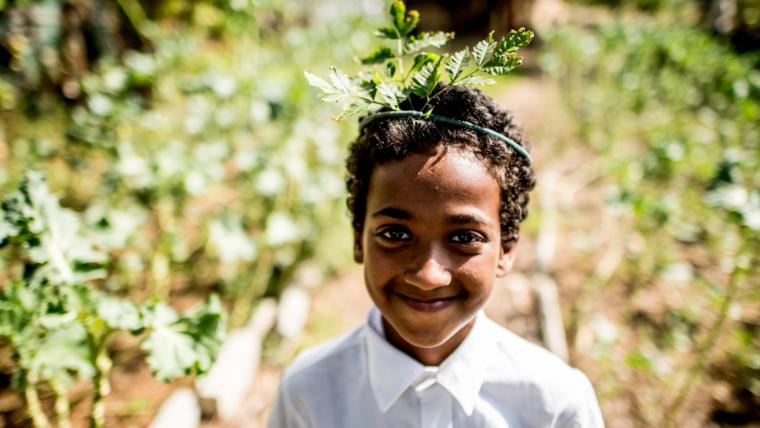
[(427, 356)]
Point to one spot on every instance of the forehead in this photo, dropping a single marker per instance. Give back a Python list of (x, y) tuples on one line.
[(447, 179)]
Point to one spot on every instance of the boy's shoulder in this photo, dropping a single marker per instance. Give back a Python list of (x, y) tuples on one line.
[(518, 361)]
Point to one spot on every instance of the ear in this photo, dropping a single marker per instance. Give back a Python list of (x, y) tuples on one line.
[(506, 258), (358, 250)]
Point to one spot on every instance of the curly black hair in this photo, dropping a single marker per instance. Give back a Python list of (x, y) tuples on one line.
[(390, 139)]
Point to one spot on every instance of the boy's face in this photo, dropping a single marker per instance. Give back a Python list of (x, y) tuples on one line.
[(431, 248)]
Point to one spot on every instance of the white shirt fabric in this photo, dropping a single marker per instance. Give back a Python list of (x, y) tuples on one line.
[(493, 379)]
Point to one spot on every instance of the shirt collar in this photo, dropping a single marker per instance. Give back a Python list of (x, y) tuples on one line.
[(391, 371)]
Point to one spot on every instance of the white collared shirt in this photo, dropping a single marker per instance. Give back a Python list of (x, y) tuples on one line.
[(493, 379)]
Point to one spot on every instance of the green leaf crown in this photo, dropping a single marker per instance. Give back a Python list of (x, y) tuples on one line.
[(408, 68)]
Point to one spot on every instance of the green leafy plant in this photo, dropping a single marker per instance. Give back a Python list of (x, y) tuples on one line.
[(58, 323), (391, 82)]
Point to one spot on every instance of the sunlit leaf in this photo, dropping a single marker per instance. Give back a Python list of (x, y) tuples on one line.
[(422, 60), (482, 49), (457, 63), (404, 22), (424, 81), (119, 314), (513, 41), (378, 56), (180, 345), (426, 40), (390, 95), (476, 80)]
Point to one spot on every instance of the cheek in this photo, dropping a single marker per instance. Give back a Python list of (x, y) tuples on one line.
[(478, 274), (378, 265)]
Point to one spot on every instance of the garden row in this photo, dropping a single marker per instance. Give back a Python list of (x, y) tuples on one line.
[(668, 115)]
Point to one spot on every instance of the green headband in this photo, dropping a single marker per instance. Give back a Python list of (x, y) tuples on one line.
[(436, 118)]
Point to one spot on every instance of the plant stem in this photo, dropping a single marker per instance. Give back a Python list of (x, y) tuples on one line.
[(160, 283), (452, 83), (241, 309), (39, 419), (703, 350), (399, 56), (61, 404), (101, 385), (135, 14)]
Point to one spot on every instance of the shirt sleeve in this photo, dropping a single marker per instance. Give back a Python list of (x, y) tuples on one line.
[(585, 411), (286, 413)]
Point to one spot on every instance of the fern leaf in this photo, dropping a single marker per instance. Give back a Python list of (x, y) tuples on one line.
[(351, 110), (422, 60), (403, 21), (424, 81), (515, 40), (378, 56), (476, 80), (427, 40), (318, 82), (502, 65), (340, 81), (457, 64), (387, 33), (390, 95), (482, 49)]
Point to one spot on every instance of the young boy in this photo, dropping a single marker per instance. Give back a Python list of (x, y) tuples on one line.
[(436, 204)]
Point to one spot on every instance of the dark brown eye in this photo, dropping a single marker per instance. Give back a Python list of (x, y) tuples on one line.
[(467, 237), (395, 234)]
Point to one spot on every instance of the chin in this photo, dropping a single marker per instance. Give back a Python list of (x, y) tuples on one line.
[(428, 336), (427, 341)]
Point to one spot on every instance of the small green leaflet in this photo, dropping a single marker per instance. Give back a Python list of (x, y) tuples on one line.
[(502, 65), (378, 57), (404, 21), (427, 40), (515, 40), (505, 57), (424, 81), (387, 33), (422, 60), (482, 49), (339, 89), (390, 95), (457, 64), (476, 80)]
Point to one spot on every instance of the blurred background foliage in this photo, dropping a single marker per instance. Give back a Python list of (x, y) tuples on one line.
[(185, 137), (669, 108)]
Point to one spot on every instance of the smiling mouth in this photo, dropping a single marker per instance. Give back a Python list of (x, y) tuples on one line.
[(427, 305)]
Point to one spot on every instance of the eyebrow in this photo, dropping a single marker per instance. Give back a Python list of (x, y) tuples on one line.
[(392, 212), (468, 219), (401, 214)]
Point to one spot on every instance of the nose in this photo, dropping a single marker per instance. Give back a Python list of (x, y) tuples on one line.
[(429, 271)]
